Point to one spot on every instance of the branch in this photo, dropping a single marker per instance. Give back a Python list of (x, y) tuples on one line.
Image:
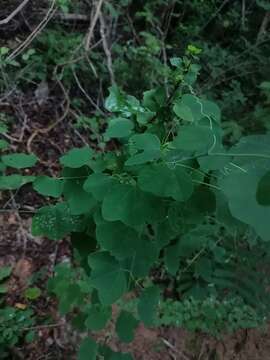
[(93, 25), (263, 27), (106, 47), (14, 13)]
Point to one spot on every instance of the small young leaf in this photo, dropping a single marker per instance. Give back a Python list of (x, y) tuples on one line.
[(88, 350), (77, 157), (32, 293), (125, 326), (19, 161)]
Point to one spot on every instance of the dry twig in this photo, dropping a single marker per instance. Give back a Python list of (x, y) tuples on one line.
[(106, 47), (35, 33), (90, 33), (14, 13)]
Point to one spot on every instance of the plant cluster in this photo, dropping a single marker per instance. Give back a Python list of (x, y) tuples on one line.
[(171, 197), (172, 201)]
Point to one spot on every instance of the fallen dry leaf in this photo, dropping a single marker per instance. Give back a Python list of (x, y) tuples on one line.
[(23, 270)]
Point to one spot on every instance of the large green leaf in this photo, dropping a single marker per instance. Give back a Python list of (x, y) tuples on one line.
[(130, 205), (160, 180), (88, 349), (79, 201), (188, 108), (194, 138), (143, 258), (251, 148), (171, 259), (55, 222), (147, 306), (119, 128), (193, 109), (115, 101), (183, 111), (98, 184), (240, 187), (19, 160), (117, 238), (12, 182), (48, 186), (97, 317), (107, 276), (77, 157), (143, 148), (125, 326)]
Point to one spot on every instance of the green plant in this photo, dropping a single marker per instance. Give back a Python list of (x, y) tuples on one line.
[(5, 272), (210, 315), (171, 197), (15, 326)]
